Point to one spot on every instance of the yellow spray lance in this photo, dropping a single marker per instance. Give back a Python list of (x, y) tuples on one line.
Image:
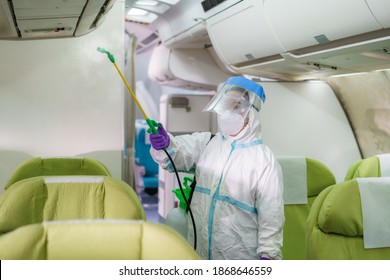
[(152, 124), (152, 129)]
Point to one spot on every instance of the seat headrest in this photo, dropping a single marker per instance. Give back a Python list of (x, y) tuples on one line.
[(357, 208), (94, 240), (57, 166), (306, 176), (319, 177), (375, 166), (38, 199), (341, 211)]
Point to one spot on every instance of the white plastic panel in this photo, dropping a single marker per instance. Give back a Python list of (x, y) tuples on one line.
[(7, 28), (196, 65), (381, 11), (186, 119), (62, 97), (306, 119), (333, 19), (158, 69), (179, 120), (185, 68), (184, 16), (48, 12), (29, 4), (241, 33), (53, 27)]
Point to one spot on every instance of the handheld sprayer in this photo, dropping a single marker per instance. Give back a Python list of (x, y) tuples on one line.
[(153, 129), (177, 217), (152, 124)]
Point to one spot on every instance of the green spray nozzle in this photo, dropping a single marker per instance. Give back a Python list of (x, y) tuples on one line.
[(110, 56), (152, 126), (187, 192)]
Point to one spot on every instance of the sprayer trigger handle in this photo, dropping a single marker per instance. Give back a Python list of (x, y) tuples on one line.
[(152, 126)]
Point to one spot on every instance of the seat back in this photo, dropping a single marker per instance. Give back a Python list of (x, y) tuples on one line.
[(303, 179), (57, 166), (350, 221), (95, 240), (376, 166), (52, 198)]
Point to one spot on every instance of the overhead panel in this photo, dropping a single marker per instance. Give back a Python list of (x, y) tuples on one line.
[(37, 19), (42, 18), (381, 11), (241, 34), (317, 22), (7, 28), (185, 68), (302, 39)]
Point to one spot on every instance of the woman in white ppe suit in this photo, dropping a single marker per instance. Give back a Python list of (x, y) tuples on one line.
[(238, 200)]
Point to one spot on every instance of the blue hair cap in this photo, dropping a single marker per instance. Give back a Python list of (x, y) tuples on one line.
[(248, 85)]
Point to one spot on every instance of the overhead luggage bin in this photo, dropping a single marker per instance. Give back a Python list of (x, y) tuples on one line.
[(380, 9), (185, 68), (250, 36), (317, 22), (42, 19), (277, 39)]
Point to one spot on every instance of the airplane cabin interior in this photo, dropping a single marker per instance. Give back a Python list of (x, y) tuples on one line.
[(74, 144)]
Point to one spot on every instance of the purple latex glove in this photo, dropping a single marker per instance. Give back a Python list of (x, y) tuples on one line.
[(264, 257), (161, 140)]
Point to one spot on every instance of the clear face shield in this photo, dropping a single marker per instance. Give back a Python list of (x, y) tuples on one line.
[(233, 102)]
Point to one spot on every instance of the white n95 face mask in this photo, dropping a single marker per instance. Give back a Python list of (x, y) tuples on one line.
[(230, 123)]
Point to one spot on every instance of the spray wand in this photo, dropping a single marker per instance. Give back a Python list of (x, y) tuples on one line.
[(152, 123), (152, 129)]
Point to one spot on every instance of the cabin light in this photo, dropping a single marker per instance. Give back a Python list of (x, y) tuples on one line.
[(146, 3), (348, 74), (137, 12), (152, 6), (380, 70), (170, 2), (140, 15)]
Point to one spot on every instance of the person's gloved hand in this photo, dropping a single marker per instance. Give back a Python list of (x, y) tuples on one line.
[(161, 140), (265, 257)]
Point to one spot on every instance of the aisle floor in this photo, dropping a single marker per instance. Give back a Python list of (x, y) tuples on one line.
[(150, 205)]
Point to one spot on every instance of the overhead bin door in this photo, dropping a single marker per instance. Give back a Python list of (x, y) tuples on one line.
[(302, 23), (241, 33), (381, 10)]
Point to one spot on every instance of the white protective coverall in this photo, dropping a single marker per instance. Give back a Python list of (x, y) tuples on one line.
[(238, 199)]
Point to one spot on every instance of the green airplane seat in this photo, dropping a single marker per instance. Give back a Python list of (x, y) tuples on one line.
[(54, 198), (95, 240), (303, 179), (375, 166), (57, 166), (350, 221)]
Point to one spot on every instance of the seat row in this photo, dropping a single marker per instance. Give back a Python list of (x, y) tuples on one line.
[(329, 220), (46, 213), (72, 208)]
